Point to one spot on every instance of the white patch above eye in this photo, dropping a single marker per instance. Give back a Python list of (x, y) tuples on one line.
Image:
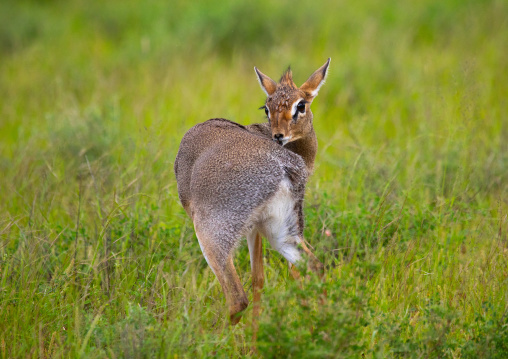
[(293, 108)]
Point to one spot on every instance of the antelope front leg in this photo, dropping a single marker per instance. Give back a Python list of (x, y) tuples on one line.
[(316, 266), (312, 262), (296, 252)]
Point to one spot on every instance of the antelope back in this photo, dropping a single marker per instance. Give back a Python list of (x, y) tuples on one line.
[(225, 172)]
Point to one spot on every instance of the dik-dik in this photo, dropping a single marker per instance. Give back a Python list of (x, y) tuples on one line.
[(239, 181)]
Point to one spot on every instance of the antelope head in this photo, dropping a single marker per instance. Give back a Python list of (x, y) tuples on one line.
[(287, 106)]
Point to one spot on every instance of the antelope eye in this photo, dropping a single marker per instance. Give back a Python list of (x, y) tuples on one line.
[(266, 110), (301, 107)]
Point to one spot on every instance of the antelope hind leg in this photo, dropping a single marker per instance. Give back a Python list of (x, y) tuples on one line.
[(222, 266), (255, 243)]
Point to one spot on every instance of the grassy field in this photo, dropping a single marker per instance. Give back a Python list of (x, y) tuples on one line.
[(407, 207)]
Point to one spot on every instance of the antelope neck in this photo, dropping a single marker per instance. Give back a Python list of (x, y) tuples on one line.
[(306, 147)]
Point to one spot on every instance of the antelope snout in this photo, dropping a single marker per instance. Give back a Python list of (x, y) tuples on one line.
[(280, 139)]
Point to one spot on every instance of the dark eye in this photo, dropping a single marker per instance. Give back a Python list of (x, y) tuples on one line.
[(301, 107), (265, 108)]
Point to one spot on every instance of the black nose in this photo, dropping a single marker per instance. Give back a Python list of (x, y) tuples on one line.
[(278, 137)]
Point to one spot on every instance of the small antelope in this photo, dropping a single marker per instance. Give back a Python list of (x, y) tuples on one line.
[(236, 181)]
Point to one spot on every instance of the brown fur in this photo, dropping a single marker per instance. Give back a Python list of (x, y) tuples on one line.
[(279, 102), (258, 280), (228, 176)]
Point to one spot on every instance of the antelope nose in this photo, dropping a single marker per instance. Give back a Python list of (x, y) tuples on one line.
[(278, 138)]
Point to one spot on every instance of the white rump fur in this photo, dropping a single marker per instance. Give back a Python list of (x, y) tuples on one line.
[(272, 221)]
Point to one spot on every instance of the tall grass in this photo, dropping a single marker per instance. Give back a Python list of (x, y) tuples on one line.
[(407, 207)]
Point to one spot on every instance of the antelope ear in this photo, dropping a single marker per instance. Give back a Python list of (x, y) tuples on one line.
[(267, 84), (316, 80)]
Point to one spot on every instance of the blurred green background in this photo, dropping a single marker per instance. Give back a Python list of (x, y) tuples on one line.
[(97, 257)]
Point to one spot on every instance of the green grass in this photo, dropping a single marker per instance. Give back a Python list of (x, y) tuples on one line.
[(407, 207)]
